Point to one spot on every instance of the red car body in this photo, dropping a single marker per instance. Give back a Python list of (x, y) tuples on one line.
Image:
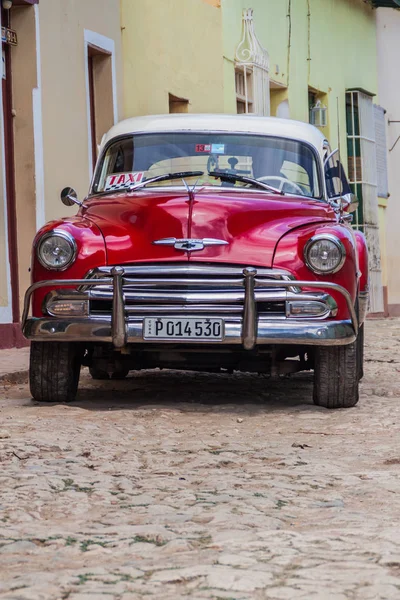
[(262, 230)]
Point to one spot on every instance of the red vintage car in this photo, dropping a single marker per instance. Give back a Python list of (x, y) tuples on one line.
[(206, 242)]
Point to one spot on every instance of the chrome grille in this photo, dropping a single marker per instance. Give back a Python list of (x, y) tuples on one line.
[(196, 288)]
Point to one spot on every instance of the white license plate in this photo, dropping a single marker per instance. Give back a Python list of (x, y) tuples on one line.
[(183, 329)]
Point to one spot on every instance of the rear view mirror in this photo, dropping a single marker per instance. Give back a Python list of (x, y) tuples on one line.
[(69, 197)]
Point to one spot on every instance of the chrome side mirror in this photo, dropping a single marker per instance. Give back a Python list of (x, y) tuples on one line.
[(349, 202), (69, 197), (346, 202)]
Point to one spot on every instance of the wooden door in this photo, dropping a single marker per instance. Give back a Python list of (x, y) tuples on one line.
[(10, 171)]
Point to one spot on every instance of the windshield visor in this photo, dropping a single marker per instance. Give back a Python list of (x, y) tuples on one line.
[(288, 165)]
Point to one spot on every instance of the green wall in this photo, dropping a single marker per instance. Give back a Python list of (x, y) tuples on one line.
[(332, 48)]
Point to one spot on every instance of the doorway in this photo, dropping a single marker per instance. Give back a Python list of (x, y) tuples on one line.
[(10, 166), (101, 101)]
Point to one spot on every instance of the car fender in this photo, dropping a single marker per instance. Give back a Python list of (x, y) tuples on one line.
[(91, 253), (289, 255)]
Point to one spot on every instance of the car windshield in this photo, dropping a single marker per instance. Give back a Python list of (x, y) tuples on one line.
[(286, 165)]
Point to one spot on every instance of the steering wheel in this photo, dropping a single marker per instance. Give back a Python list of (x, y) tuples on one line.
[(283, 182)]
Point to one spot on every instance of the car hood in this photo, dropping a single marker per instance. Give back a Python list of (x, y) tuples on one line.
[(250, 222)]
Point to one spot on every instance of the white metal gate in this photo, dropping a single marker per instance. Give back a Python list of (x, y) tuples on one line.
[(252, 71), (363, 176)]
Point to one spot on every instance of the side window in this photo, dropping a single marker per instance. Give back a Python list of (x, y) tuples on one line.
[(118, 159), (336, 180)]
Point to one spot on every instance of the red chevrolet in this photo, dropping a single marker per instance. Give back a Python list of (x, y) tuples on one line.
[(206, 242)]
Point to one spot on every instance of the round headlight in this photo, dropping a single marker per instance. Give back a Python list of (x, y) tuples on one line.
[(324, 254), (56, 250)]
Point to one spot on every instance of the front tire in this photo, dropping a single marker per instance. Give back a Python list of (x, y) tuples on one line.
[(54, 371), (336, 376)]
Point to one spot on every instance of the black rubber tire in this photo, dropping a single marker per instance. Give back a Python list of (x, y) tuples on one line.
[(98, 373), (54, 371), (336, 376), (360, 352)]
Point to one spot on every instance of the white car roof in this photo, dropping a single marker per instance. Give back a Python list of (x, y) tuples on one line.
[(273, 126)]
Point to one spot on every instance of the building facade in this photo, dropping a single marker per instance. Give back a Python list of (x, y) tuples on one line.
[(388, 40), (61, 90), (318, 60), (73, 68), (172, 53), (311, 60)]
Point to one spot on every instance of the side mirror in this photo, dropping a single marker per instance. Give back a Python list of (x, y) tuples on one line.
[(69, 197), (349, 202)]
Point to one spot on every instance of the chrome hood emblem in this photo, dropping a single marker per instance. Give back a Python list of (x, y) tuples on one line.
[(190, 244)]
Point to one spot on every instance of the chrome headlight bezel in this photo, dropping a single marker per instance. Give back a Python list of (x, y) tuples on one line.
[(68, 238), (327, 237)]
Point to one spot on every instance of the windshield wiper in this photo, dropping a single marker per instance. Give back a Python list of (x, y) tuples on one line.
[(167, 177), (236, 177)]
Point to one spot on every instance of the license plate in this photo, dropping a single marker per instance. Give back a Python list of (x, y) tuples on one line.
[(183, 329)]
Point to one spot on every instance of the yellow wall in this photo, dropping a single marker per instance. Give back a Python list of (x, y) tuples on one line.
[(172, 47), (65, 143), (65, 122), (24, 67)]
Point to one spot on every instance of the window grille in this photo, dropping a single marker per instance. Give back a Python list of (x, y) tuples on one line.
[(244, 89), (361, 152), (251, 71)]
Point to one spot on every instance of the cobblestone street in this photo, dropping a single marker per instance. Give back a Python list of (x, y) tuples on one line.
[(184, 485)]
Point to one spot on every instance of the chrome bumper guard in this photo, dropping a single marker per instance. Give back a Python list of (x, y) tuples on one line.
[(247, 329)]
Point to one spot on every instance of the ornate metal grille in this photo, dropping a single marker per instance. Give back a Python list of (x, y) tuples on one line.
[(251, 71)]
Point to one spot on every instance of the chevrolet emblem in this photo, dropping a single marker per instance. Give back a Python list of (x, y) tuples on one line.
[(190, 244)]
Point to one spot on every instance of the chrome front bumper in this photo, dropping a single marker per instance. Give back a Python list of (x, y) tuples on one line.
[(244, 328), (331, 333)]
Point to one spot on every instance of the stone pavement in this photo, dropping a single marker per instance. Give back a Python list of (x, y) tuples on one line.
[(14, 364), (186, 485)]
